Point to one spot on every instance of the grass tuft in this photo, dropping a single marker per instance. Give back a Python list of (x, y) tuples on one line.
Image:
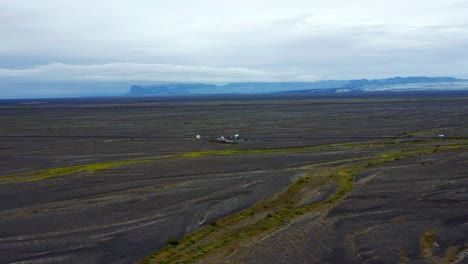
[(172, 242)]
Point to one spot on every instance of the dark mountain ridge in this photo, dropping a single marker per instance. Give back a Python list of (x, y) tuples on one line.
[(169, 89), (327, 86)]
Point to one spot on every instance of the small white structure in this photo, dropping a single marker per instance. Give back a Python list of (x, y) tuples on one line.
[(236, 136), (441, 135), (198, 137)]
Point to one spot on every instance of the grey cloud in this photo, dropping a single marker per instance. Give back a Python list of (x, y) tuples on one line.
[(264, 40), (148, 72)]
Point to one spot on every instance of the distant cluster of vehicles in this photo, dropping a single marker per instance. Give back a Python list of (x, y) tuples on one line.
[(234, 139)]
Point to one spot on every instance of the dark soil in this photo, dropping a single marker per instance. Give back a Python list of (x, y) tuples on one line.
[(123, 214)]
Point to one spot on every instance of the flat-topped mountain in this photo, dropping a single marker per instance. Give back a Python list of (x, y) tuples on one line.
[(170, 89)]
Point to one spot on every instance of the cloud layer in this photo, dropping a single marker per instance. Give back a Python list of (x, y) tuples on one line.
[(225, 41), (150, 72)]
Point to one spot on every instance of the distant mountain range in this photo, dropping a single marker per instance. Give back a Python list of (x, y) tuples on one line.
[(172, 89), (331, 86)]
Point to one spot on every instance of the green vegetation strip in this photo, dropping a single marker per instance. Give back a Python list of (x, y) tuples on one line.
[(56, 172), (233, 232), (44, 174), (37, 175)]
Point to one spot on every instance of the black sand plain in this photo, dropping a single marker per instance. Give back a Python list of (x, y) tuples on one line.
[(342, 179)]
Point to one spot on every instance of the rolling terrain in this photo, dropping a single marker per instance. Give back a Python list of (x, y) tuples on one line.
[(320, 180)]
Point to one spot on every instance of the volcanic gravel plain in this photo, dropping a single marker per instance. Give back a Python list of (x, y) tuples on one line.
[(318, 179)]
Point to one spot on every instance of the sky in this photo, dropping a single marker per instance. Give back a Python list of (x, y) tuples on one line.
[(219, 41)]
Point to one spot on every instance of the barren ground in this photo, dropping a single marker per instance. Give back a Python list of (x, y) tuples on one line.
[(321, 180)]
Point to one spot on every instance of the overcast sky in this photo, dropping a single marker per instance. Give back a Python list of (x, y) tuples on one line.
[(227, 41)]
